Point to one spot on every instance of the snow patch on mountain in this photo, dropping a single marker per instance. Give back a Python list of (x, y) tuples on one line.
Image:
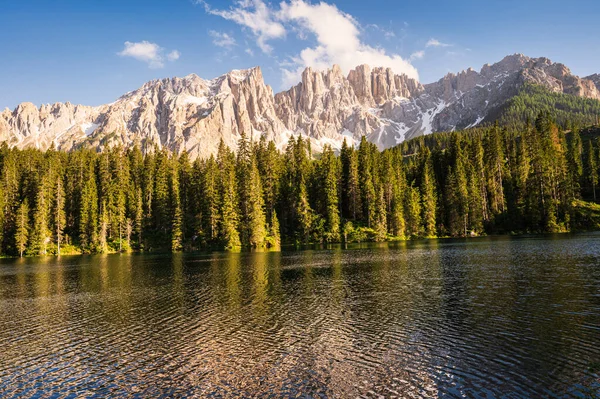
[(192, 114), (89, 128)]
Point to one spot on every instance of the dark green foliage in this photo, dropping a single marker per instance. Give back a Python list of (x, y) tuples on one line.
[(22, 233), (533, 100), (538, 177)]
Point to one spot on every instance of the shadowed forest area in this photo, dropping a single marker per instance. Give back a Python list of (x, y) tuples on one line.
[(539, 177)]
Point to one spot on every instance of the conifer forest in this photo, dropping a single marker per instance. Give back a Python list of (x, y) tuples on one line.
[(537, 177)]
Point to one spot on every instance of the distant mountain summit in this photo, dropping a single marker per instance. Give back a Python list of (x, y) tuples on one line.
[(194, 114), (594, 78)]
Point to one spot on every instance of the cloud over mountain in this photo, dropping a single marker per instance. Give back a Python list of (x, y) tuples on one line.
[(336, 36), (150, 53)]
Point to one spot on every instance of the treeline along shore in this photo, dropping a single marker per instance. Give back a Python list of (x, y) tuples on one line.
[(537, 177)]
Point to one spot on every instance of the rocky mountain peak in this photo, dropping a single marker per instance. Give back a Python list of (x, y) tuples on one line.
[(595, 78), (194, 114)]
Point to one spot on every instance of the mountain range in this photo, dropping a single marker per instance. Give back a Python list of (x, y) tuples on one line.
[(194, 114)]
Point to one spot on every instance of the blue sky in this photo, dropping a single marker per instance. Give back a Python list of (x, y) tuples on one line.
[(91, 52)]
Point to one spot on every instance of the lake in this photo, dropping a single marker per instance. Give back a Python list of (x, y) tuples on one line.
[(488, 317)]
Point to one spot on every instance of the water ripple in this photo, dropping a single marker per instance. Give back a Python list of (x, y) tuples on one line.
[(451, 318)]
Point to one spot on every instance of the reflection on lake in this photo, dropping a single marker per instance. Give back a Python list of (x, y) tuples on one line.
[(439, 318)]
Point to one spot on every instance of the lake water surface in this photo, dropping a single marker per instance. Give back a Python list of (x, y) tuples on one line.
[(493, 317)]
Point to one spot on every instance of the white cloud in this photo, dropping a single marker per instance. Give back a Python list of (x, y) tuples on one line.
[(150, 53), (254, 15), (338, 38), (417, 55), (250, 52), (387, 33), (173, 55), (222, 39), (436, 43)]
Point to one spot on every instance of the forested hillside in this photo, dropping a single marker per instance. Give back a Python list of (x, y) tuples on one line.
[(534, 99), (489, 180)]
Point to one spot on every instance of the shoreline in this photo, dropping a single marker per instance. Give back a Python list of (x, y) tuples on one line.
[(303, 247)]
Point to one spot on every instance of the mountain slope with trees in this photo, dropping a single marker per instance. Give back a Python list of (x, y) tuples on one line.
[(532, 99), (537, 178)]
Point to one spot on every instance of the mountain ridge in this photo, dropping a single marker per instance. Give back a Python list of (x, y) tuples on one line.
[(194, 114)]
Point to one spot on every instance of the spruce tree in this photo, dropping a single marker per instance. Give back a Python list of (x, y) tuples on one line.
[(428, 196), (176, 212), (3, 208), (255, 207), (242, 169), (270, 171), (103, 230), (367, 188), (59, 213), (22, 233), (41, 230), (139, 216), (495, 165), (211, 199), (160, 198), (88, 215), (329, 187), (380, 219), (350, 183), (413, 212), (592, 168), (575, 160), (228, 199), (397, 220), (274, 237)]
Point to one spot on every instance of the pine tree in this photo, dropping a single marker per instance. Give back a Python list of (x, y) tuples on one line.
[(523, 170), (482, 178), (367, 188), (274, 238), (211, 199), (253, 221), (176, 213), (186, 190), (88, 219), (428, 196), (128, 231), (296, 211), (3, 208), (413, 212), (139, 217), (495, 165), (41, 231), (397, 221), (270, 171), (457, 190), (256, 213), (11, 180), (350, 183), (475, 200), (160, 199), (119, 189), (59, 213), (103, 233), (330, 197), (575, 161), (380, 219), (22, 233), (304, 215), (228, 212), (244, 186), (592, 168)]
